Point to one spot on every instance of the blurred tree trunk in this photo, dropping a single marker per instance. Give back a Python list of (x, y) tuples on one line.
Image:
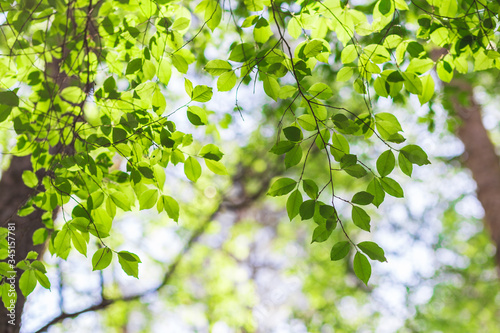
[(13, 195), (480, 155)]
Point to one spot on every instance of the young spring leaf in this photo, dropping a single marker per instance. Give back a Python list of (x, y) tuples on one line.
[(293, 133), (27, 282), (148, 199), (362, 198), (415, 155), (405, 165), (392, 187), (282, 186), (386, 163), (375, 188), (362, 267), (216, 167), (307, 208), (293, 204), (101, 258), (129, 263), (293, 157), (321, 233), (192, 169), (310, 188), (340, 250), (29, 178), (374, 251), (360, 218)]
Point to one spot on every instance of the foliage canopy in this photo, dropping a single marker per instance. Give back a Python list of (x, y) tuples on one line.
[(85, 85)]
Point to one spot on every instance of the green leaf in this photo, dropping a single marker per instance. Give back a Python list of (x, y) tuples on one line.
[(129, 263), (120, 200), (148, 198), (392, 187), (165, 72), (360, 218), (201, 94), (180, 63), (293, 157), (271, 87), (79, 242), (405, 165), (171, 206), (42, 279), (412, 83), (386, 163), (254, 5), (158, 102), (9, 98), (216, 167), (293, 204), (133, 66), (328, 212), (226, 81), (349, 54), (197, 116), (38, 265), (313, 48), (356, 171), (211, 152), (448, 8), (101, 258), (444, 70), (321, 233), (362, 267), (348, 160), (27, 282), (282, 147), (307, 122), (213, 14), (375, 188), (242, 52), (40, 236), (30, 179), (440, 36), (148, 69), (340, 250), (62, 242), (250, 21), (339, 146), (345, 73), (362, 198), (281, 186), (9, 296), (73, 95), (306, 209), (218, 67), (5, 112), (374, 251), (310, 188), (320, 90), (415, 155), (293, 133), (192, 169), (388, 127), (262, 31), (420, 66), (427, 89), (294, 28)]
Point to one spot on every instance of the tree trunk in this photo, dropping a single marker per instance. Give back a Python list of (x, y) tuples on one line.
[(480, 156), (13, 195)]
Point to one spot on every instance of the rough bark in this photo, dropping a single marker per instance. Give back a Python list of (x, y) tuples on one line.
[(13, 195), (480, 156)]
